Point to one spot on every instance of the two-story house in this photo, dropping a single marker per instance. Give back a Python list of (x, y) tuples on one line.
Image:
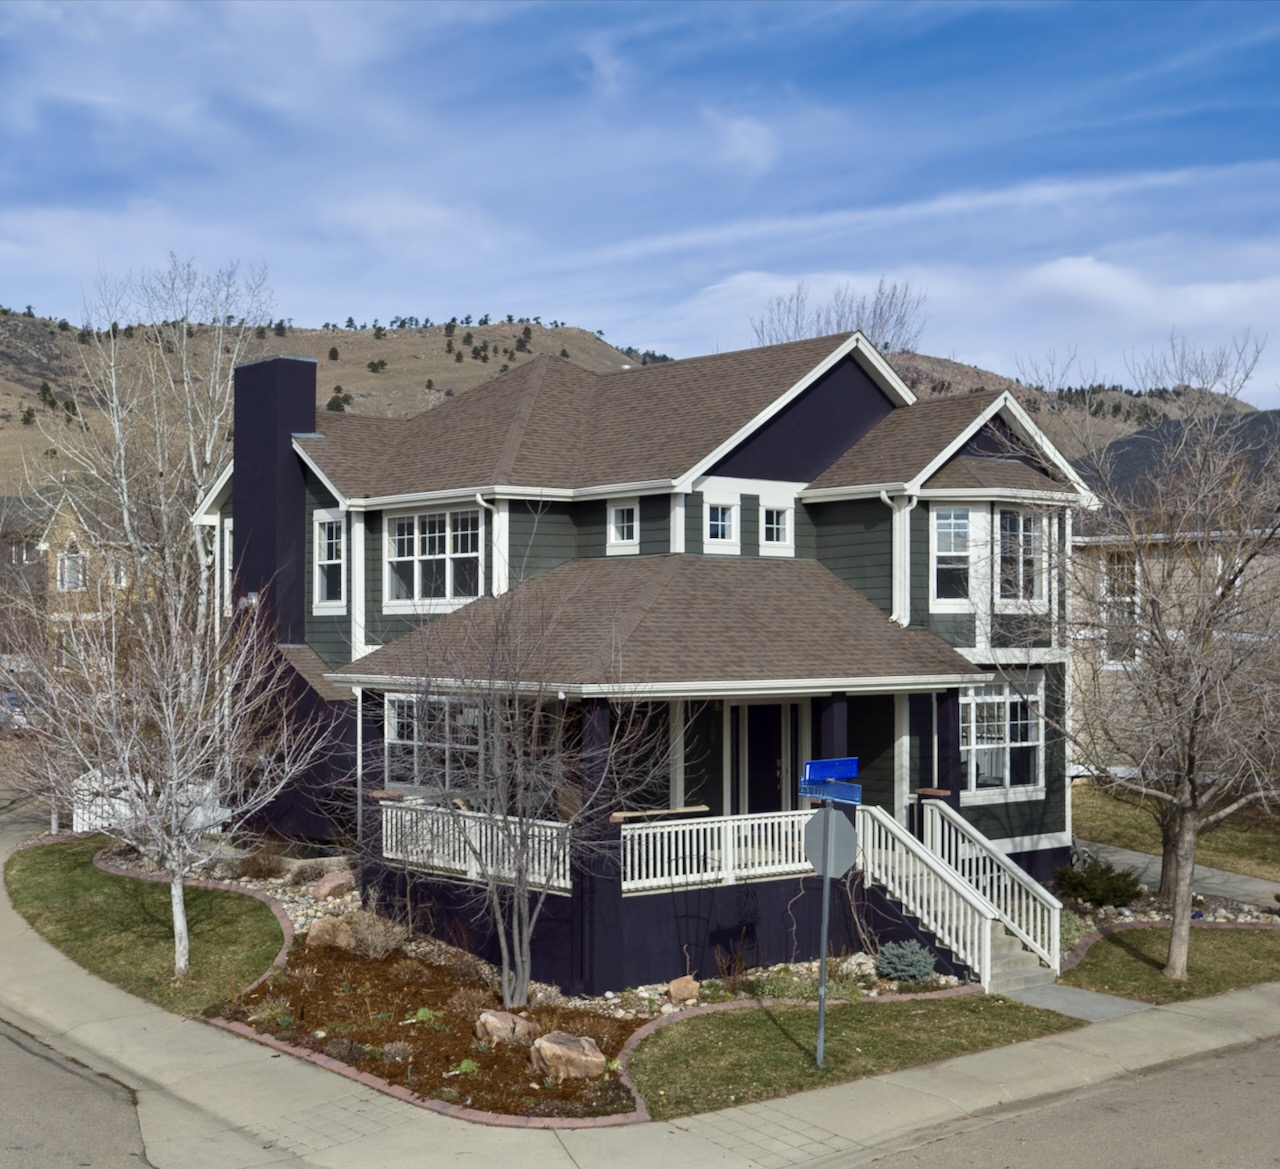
[(781, 550)]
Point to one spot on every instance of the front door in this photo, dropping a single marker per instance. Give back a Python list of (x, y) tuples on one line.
[(764, 741)]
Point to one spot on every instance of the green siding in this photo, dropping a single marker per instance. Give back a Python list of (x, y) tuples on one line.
[(749, 519), (542, 536), (655, 525), (871, 734), (955, 628), (806, 534), (855, 540), (918, 557), (1021, 630), (328, 635), (591, 522), (693, 522)]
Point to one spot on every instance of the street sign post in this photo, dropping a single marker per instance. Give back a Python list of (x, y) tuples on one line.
[(837, 845)]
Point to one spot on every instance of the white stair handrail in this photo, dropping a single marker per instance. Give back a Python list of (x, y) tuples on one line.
[(952, 910), (1031, 913)]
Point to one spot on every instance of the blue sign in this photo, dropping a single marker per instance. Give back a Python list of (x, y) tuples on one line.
[(827, 779)]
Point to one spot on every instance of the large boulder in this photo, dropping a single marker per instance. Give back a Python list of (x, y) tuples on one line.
[(567, 1057), (683, 990), (504, 1027), (331, 931), (334, 883)]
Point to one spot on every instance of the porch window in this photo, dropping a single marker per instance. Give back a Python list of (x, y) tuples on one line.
[(951, 553), (1119, 606), (434, 742), (330, 575), (1001, 737), (433, 556), (1021, 556)]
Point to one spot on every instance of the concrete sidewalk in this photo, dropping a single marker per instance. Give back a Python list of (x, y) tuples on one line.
[(208, 1099), (1211, 882)]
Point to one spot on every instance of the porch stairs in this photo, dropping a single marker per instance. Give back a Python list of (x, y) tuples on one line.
[(961, 888)]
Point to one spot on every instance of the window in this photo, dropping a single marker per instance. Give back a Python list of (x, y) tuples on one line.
[(330, 561), (720, 523), (119, 572), (1119, 605), (1021, 551), (775, 529), (433, 556), (433, 741), (1001, 735), (951, 553), (228, 566), (71, 570), (624, 526)]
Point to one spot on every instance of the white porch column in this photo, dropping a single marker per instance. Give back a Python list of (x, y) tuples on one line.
[(901, 756)]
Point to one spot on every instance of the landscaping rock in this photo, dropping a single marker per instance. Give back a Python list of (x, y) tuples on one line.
[(683, 990), (331, 931), (567, 1057), (334, 884), (504, 1027)]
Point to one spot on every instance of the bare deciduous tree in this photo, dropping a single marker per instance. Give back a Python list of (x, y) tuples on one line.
[(513, 783), (892, 317), (1177, 613), (158, 733)]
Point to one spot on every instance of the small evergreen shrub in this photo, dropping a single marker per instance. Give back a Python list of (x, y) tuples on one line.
[(333, 353), (904, 962), (1098, 882)]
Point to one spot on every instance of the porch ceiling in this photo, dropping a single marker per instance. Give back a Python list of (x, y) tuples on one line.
[(672, 625)]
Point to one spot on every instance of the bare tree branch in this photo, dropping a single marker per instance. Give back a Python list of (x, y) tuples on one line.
[(892, 317)]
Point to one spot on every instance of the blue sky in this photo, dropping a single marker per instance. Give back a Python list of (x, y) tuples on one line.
[(1052, 175)]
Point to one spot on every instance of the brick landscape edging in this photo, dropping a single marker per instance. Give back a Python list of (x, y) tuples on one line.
[(279, 962)]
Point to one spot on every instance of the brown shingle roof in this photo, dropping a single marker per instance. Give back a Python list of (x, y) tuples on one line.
[(619, 622), (310, 666), (905, 442), (551, 424), (967, 472)]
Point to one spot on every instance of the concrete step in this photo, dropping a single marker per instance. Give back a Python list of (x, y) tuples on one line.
[(1003, 983)]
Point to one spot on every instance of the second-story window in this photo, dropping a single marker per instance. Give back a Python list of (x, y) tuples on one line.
[(624, 526), (720, 523), (951, 553), (330, 559), (775, 529), (433, 556), (1021, 556), (72, 577), (1119, 605)]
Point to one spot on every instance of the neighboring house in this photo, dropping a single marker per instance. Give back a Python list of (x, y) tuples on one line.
[(781, 549), (24, 520)]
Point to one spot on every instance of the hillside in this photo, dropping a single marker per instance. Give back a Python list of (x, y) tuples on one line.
[(398, 372)]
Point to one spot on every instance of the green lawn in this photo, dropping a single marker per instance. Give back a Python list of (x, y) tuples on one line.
[(1129, 963), (734, 1057), (1249, 843), (122, 930)]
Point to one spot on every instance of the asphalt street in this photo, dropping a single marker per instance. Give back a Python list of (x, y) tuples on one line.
[(1214, 1112), (57, 1114)]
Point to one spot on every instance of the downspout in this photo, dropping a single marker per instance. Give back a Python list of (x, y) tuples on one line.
[(901, 508)]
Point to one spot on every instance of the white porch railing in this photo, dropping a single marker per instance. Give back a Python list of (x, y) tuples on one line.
[(476, 846), (1031, 912), (957, 915), (714, 850)]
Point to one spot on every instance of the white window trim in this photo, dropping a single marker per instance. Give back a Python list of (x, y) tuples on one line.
[(226, 554), (72, 553), (1110, 663), (977, 540), (785, 547), (731, 546), (1003, 604), (1030, 691), (321, 517), (614, 546), (428, 605)]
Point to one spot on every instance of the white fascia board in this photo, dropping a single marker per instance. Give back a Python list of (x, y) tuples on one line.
[(417, 498), (207, 509), (1001, 495), (857, 346), (781, 687), (862, 491), (505, 491), (617, 490), (343, 502)]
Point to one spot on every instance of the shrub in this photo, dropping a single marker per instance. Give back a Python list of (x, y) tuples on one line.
[(469, 1001), (307, 872), (345, 1050), (263, 863), (1099, 882), (272, 1009), (904, 962), (409, 972), (398, 1051), (375, 936), (333, 353)]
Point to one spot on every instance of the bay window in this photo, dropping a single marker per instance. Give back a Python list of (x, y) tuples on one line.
[(1021, 556)]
